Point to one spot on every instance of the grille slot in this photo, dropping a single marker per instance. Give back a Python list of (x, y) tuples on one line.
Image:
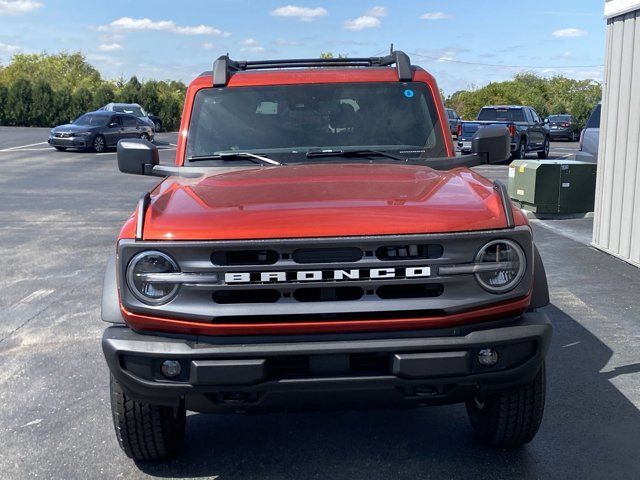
[(370, 363), (418, 290), (327, 255), (225, 297), (409, 252), (328, 294), (245, 257), (328, 317)]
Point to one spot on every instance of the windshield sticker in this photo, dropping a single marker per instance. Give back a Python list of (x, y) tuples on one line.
[(408, 93)]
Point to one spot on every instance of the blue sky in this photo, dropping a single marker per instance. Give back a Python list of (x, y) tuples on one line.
[(463, 43)]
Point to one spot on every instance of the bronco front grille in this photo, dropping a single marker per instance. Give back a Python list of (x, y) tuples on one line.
[(324, 279)]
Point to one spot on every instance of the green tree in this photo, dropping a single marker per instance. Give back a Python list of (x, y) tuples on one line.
[(42, 108), (63, 112), (19, 102), (3, 105), (105, 93), (81, 101), (149, 96), (130, 92)]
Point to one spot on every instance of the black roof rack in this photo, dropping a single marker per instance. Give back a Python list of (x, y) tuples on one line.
[(224, 67)]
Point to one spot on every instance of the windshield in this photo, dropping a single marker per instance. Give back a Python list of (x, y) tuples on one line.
[(560, 118), (91, 120), (502, 114), (134, 110), (290, 120)]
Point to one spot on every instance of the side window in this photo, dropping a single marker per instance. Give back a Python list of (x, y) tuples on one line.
[(116, 119), (130, 121), (536, 118), (594, 119)]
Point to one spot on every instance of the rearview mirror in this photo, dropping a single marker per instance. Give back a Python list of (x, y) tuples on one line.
[(137, 156), (492, 143)]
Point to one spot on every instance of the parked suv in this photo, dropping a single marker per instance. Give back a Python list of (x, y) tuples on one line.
[(590, 138), (319, 243), (136, 110), (527, 130)]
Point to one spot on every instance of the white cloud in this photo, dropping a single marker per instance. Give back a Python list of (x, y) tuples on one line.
[(251, 45), (569, 32), (282, 42), (304, 14), (110, 47), (208, 46), (18, 7), (361, 23), (8, 48), (435, 16), (376, 12), (136, 24)]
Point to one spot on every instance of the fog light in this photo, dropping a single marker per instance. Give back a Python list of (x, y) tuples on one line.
[(171, 368), (488, 357)]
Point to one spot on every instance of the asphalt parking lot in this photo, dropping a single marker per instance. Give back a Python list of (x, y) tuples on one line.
[(60, 213)]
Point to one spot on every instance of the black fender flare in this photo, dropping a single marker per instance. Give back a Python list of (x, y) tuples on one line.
[(540, 291), (110, 308)]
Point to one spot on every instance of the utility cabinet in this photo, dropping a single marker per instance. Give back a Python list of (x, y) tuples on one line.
[(553, 186)]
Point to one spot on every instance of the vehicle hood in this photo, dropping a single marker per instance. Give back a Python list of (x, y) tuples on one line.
[(70, 127), (322, 200)]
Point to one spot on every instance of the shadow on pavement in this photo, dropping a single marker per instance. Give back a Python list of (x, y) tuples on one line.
[(590, 430)]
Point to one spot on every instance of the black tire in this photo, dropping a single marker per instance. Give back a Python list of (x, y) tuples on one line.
[(144, 136), (157, 125), (521, 151), (99, 144), (574, 137), (509, 418), (545, 149), (61, 149), (146, 431)]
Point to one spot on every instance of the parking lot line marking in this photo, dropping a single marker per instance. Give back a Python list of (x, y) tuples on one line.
[(21, 146), (27, 150)]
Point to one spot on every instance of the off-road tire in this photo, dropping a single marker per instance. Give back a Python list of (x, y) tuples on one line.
[(509, 418), (521, 151), (546, 146), (61, 149), (146, 431)]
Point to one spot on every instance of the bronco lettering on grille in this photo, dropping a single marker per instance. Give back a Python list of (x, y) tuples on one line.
[(327, 275)]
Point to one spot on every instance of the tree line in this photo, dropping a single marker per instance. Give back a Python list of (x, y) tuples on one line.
[(43, 90), (548, 96)]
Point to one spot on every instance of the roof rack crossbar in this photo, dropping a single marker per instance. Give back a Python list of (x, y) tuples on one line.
[(224, 67)]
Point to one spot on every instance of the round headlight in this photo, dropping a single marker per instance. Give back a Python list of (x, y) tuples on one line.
[(146, 280), (500, 265)]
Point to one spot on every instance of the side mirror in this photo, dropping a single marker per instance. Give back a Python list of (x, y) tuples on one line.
[(113, 125), (149, 114), (137, 156), (492, 143), (546, 120)]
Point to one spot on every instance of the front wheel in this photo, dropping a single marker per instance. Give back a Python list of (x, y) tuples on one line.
[(157, 125), (509, 418), (545, 149), (146, 431), (99, 145), (144, 136)]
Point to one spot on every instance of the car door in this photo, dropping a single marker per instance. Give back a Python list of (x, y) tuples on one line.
[(537, 128), (131, 127), (114, 130)]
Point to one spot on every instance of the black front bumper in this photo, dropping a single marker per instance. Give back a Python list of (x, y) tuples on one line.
[(271, 373)]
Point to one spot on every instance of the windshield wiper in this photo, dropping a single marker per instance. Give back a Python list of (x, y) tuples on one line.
[(234, 155), (353, 153)]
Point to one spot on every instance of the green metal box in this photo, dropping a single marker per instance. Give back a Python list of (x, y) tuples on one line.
[(553, 186)]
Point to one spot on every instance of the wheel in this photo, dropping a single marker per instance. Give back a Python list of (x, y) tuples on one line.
[(574, 136), (509, 418), (521, 151), (144, 136), (157, 125), (61, 149), (146, 431), (99, 145), (545, 149)]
